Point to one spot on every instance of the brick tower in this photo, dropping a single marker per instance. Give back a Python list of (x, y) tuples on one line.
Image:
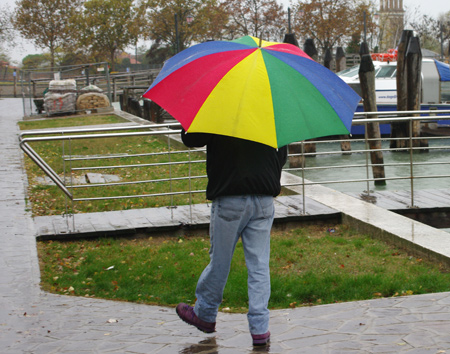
[(391, 23)]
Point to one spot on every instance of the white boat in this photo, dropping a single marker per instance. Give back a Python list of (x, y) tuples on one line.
[(435, 82), (435, 90)]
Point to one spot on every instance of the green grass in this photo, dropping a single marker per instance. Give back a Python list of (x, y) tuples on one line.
[(49, 200), (70, 122), (309, 266)]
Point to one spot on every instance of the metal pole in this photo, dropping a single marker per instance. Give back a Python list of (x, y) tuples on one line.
[(289, 20), (411, 159), (87, 75), (108, 83), (366, 143), (303, 177), (365, 28)]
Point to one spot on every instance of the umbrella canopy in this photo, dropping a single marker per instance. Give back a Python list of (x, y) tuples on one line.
[(271, 93)]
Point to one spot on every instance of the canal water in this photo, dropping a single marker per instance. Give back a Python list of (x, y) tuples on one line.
[(331, 167), (435, 162)]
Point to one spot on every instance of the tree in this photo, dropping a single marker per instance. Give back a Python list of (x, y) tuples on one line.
[(158, 54), (6, 30), (108, 26), (33, 61), (165, 17), (46, 22), (6, 27), (258, 18), (431, 31), (331, 22)]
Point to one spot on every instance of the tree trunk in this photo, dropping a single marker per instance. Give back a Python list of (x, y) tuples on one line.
[(367, 80)]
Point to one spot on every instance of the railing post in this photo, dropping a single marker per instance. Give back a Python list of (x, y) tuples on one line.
[(303, 178), (411, 161)]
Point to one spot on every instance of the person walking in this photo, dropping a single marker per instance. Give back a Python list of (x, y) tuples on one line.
[(243, 179)]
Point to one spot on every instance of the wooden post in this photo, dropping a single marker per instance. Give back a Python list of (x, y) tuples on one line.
[(114, 90), (363, 49), (290, 38), (367, 80), (341, 63), (310, 49), (327, 59), (400, 130), (34, 89), (414, 74), (125, 100), (156, 113)]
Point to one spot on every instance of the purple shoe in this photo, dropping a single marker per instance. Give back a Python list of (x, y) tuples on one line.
[(187, 314), (261, 339)]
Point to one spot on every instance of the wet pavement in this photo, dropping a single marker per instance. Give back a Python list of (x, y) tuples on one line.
[(32, 321)]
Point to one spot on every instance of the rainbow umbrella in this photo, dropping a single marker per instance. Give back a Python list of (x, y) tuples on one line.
[(268, 92)]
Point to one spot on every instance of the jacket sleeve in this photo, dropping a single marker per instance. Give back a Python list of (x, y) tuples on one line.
[(195, 139), (282, 155)]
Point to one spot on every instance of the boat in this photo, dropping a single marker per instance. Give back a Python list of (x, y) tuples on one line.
[(435, 92)]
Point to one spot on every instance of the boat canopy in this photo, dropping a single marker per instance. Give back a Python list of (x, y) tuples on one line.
[(443, 70)]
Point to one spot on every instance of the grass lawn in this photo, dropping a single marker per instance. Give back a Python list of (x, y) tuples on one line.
[(147, 158), (76, 121), (309, 266)]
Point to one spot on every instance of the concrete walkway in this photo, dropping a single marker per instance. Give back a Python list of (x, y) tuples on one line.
[(32, 321)]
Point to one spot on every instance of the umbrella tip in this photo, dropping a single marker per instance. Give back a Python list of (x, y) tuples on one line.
[(260, 41)]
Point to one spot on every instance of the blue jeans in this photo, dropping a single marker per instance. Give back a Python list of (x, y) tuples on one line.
[(249, 217)]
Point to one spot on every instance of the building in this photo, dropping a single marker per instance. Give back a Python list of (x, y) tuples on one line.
[(391, 23)]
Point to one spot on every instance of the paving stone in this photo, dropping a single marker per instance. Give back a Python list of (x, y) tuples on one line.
[(32, 321)]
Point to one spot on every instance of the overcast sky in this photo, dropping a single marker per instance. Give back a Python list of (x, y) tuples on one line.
[(432, 8)]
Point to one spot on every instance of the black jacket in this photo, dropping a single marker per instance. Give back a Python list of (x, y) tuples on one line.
[(239, 167)]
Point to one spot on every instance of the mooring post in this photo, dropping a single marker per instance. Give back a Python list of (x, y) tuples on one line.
[(327, 59), (367, 80), (341, 63), (414, 75), (400, 130)]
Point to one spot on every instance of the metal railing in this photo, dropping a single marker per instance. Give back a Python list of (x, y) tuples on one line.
[(323, 166)]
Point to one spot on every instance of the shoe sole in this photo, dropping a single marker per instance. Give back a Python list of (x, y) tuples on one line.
[(192, 324), (262, 343)]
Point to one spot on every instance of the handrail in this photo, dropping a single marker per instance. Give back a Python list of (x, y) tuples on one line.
[(170, 129)]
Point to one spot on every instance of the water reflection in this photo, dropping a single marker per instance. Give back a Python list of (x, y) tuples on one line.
[(209, 346), (206, 346), (264, 349)]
